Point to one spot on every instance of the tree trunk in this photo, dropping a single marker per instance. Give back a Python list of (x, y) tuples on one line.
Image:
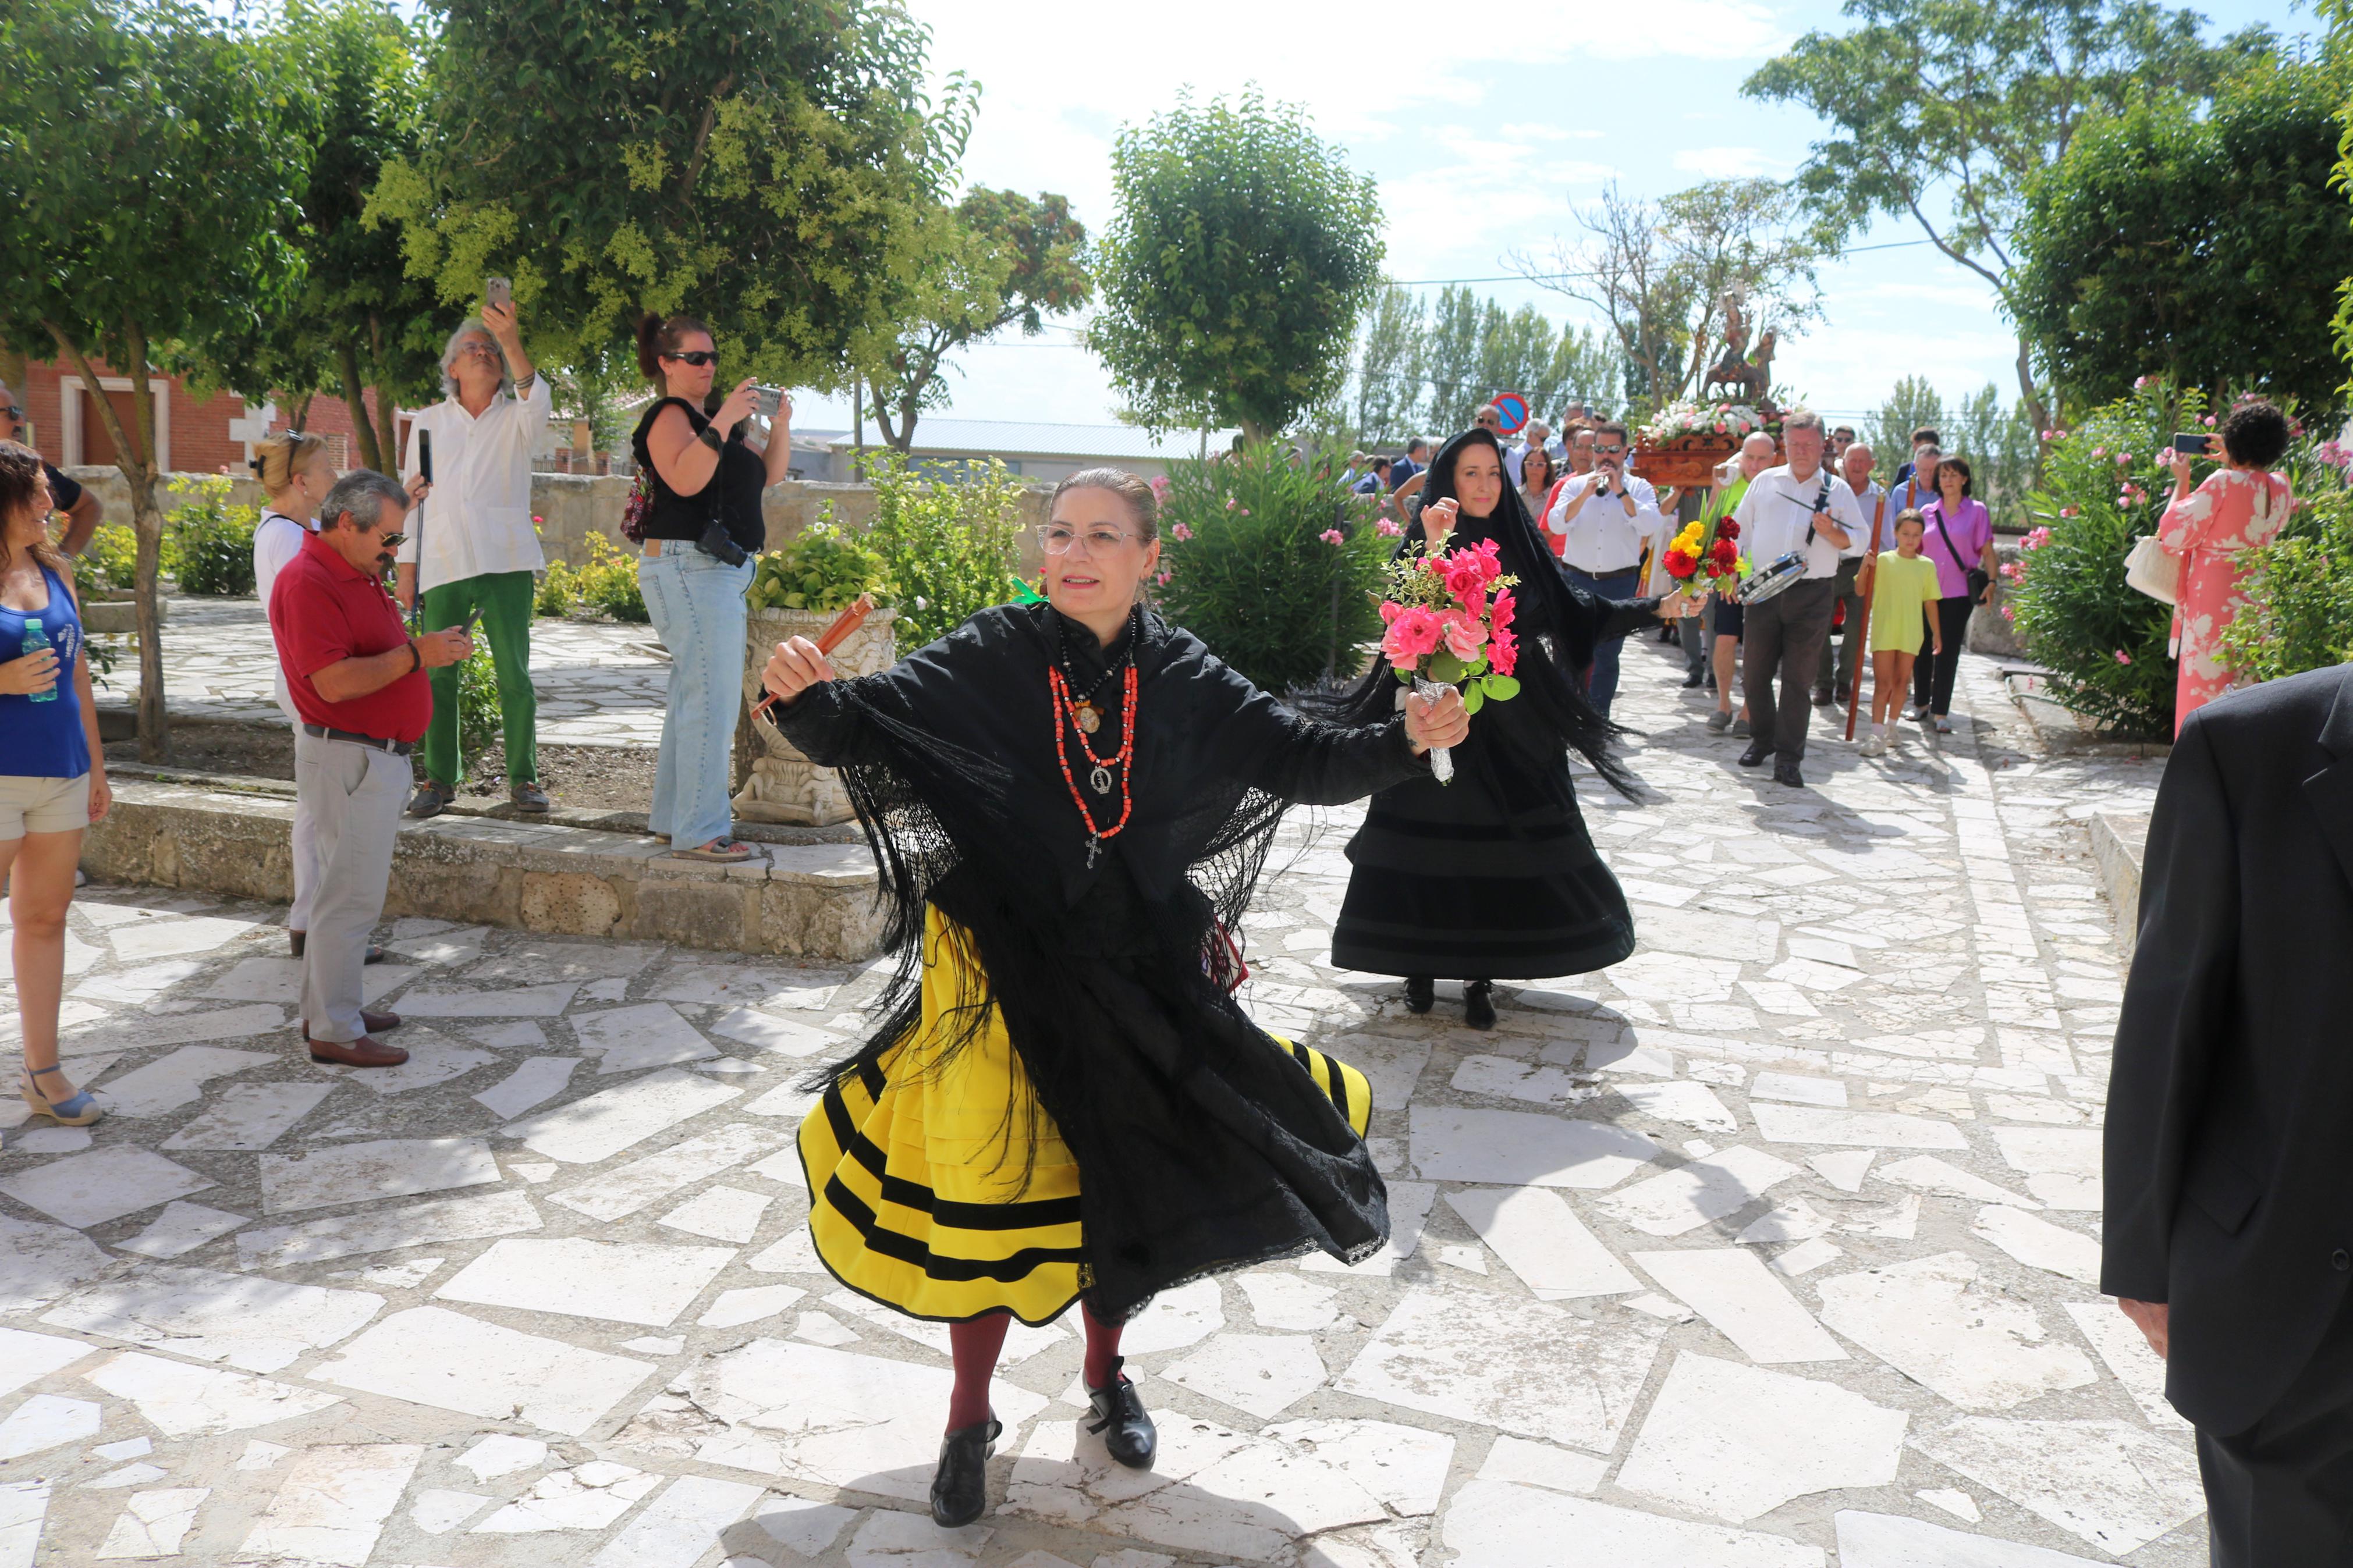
[(12, 368), (135, 459), (387, 411), (347, 366), (302, 419), (2029, 397)]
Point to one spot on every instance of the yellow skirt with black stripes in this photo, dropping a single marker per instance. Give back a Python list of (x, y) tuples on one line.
[(916, 1173)]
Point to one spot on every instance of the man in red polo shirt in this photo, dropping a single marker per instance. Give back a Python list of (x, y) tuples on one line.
[(358, 678)]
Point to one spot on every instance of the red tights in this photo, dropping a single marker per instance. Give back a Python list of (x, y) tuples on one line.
[(976, 1344)]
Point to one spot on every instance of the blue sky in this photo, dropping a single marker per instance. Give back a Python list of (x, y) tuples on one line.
[(1483, 138)]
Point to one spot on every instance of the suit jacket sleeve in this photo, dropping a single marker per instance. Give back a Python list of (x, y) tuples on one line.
[(2176, 1015)]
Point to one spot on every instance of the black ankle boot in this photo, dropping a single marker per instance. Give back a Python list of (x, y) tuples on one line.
[(1479, 1004), (1420, 991), (960, 1487), (1126, 1430)]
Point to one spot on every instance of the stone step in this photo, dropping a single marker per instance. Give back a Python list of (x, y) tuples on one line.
[(805, 901)]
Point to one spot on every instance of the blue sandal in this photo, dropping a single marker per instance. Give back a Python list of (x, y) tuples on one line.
[(80, 1112)]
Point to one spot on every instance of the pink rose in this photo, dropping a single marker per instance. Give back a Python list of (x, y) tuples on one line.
[(1465, 637), (1499, 617), (1412, 636), (1504, 652)]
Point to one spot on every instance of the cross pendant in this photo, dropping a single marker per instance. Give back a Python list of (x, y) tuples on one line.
[(1095, 847)]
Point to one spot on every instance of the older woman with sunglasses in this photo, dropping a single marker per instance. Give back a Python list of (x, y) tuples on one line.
[(703, 479)]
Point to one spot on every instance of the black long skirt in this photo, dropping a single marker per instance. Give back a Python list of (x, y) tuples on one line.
[(1445, 886)]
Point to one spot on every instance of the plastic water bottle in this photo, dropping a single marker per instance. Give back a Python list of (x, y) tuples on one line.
[(36, 642)]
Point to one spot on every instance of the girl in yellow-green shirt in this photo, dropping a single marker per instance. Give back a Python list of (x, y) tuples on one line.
[(1901, 617)]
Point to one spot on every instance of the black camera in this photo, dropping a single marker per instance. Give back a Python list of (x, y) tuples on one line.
[(715, 541)]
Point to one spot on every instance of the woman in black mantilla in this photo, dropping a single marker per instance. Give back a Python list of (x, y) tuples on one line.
[(1061, 1100), (1493, 876)]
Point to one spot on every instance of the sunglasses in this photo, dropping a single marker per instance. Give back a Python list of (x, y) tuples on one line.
[(11, 411), (392, 542), (695, 357)]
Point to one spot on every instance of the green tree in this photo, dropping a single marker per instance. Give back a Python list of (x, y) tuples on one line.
[(761, 164), (1914, 403), (151, 165), (997, 258), (1959, 104), (2204, 246), (1389, 369), (1240, 256), (360, 323)]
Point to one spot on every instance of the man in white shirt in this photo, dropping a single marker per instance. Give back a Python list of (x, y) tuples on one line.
[(1800, 507), (1832, 688), (474, 546), (1599, 524)]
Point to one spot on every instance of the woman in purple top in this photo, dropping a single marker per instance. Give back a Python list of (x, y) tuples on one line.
[(1959, 540)]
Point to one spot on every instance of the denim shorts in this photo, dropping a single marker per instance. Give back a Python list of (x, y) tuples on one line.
[(43, 806)]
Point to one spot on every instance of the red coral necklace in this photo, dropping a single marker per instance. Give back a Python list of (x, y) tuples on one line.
[(1067, 722)]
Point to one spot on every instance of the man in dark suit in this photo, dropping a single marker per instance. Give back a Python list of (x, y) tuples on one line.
[(2229, 1120)]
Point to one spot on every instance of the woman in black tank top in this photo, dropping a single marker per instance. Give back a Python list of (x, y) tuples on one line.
[(699, 472)]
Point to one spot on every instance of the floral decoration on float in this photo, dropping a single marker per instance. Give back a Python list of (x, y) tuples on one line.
[(1682, 443)]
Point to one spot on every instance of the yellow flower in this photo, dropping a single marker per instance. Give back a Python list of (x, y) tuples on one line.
[(1688, 539)]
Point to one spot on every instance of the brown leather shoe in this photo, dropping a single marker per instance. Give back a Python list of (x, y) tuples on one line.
[(371, 1023), (363, 1052)]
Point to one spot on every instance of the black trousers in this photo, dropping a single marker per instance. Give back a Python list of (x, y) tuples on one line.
[(1845, 644), (2280, 1494), (1932, 674), (1785, 635)]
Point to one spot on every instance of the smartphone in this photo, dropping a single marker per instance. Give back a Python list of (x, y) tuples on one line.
[(498, 291), (2196, 443), (466, 627), (425, 455), (766, 400)]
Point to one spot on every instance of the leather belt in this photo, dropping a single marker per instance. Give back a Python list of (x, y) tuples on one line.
[(1606, 576), (321, 732)]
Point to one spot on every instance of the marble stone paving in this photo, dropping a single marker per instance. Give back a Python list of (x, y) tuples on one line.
[(1772, 1246), (600, 683)]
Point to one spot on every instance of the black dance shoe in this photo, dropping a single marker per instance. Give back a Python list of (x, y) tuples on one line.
[(1479, 1004), (1758, 750), (1420, 991), (1692, 681), (1785, 773), (1126, 1430), (960, 1489)]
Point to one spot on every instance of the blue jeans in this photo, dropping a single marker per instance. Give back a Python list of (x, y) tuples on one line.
[(697, 604), (1601, 680)]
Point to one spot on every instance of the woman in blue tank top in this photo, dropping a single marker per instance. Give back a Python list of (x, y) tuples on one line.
[(52, 770)]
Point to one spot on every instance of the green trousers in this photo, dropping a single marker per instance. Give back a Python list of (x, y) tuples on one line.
[(505, 599)]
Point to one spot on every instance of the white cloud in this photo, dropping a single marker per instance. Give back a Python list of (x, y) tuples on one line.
[(1730, 163)]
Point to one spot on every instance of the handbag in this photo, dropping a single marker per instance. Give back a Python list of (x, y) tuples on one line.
[(2152, 569), (1976, 577)]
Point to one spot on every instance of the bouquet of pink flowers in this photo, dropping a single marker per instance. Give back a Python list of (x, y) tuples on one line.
[(1449, 624)]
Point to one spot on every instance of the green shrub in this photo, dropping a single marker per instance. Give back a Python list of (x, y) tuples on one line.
[(215, 537), (2103, 642), (558, 586), (949, 549), (822, 569), (2299, 587), (478, 707), (608, 584), (110, 562), (1272, 564)]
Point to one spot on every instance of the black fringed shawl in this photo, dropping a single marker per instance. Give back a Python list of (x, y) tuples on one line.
[(1202, 1146)]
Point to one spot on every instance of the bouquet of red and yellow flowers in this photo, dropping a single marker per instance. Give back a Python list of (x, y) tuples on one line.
[(1704, 552), (1449, 624)]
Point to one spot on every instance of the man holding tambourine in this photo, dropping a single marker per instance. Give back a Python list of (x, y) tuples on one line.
[(1796, 521)]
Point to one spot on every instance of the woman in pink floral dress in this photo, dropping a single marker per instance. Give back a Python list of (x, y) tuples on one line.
[(2239, 506)]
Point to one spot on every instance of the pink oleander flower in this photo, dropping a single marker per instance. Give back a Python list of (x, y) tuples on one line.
[(1231, 503), (2070, 511), (2099, 451), (1244, 510), (2123, 657), (1333, 536), (1389, 528), (2036, 537), (1163, 579), (2008, 613), (1160, 486), (1180, 534), (2210, 421)]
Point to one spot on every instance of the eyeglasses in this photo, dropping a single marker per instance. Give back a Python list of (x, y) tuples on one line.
[(698, 358), (477, 346), (10, 410), (1057, 540), (1609, 451), (392, 540)]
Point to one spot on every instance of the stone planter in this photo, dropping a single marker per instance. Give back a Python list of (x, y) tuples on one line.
[(785, 785)]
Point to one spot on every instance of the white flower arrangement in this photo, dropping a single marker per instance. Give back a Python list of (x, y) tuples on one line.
[(1677, 420)]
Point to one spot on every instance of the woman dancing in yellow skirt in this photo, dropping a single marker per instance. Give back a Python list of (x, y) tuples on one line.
[(1061, 1101)]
